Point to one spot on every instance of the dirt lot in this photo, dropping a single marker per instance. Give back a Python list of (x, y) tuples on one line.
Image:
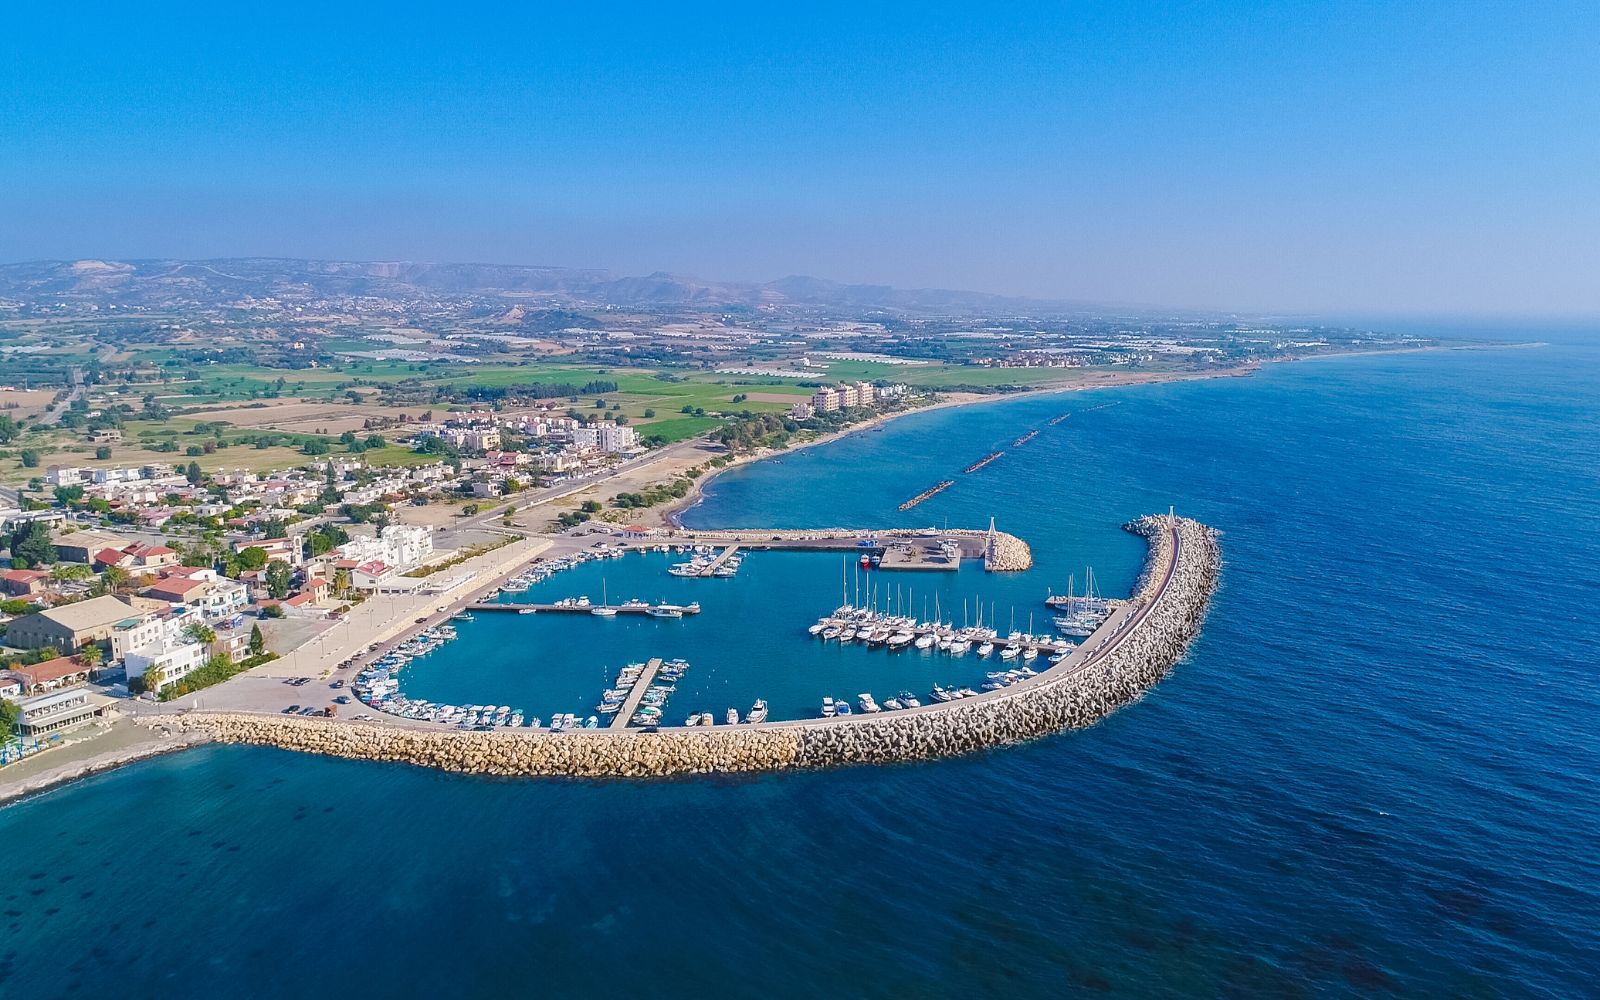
[(303, 417), (25, 402)]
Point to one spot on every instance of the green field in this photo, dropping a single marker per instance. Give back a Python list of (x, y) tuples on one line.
[(679, 428)]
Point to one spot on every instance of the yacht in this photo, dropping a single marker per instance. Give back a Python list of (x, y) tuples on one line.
[(986, 648), (706, 719), (868, 705), (925, 640), (909, 700), (841, 707), (693, 719), (892, 705), (733, 716), (940, 694), (828, 710), (758, 712), (664, 612)]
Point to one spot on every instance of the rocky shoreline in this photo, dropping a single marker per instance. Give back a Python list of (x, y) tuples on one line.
[(1161, 619)]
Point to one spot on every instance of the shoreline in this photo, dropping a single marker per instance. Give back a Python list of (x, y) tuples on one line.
[(152, 745), (671, 516)]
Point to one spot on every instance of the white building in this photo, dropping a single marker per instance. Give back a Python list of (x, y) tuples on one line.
[(175, 659), (57, 711), (607, 437), (401, 546)]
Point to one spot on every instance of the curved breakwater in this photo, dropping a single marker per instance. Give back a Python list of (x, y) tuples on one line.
[(1137, 646)]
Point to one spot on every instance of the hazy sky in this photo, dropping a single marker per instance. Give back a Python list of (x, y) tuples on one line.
[(1317, 156)]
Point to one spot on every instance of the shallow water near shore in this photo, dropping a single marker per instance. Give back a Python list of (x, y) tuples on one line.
[(1375, 773)]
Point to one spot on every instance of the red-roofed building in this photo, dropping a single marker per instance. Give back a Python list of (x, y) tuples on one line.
[(24, 582), (63, 671)]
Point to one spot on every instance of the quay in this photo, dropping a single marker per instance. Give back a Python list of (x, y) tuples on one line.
[(722, 557), (1000, 552), (583, 609), (636, 694)]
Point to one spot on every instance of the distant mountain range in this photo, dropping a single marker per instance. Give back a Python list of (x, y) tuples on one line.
[(209, 282)]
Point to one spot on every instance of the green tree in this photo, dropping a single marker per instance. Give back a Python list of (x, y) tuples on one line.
[(91, 654), (649, 413), (9, 428), (252, 558), (194, 475), (258, 642), (31, 546), (103, 452), (205, 635), (9, 714), (116, 579), (68, 572), (30, 458), (278, 579)]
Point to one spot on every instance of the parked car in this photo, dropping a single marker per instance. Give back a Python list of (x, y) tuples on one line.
[(291, 710)]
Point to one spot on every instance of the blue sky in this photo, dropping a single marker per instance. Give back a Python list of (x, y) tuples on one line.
[(1423, 157)]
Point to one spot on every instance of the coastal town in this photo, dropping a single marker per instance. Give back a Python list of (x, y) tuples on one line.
[(131, 586)]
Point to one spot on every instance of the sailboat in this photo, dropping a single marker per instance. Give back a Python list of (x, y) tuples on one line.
[(605, 610)]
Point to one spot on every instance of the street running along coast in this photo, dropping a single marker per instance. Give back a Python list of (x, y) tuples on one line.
[(1135, 648)]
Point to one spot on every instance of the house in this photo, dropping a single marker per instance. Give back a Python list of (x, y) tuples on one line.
[(303, 604), (135, 557), (71, 625), (105, 435), (58, 712), (48, 675), (235, 645), (24, 582), (199, 587), (10, 685)]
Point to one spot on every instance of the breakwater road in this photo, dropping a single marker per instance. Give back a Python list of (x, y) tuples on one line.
[(1133, 650)]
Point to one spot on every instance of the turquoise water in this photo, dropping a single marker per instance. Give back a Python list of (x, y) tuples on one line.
[(1376, 772)]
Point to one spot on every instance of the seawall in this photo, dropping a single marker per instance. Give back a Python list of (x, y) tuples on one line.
[(1134, 650)]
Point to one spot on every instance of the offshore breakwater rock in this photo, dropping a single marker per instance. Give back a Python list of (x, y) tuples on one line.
[(1165, 613)]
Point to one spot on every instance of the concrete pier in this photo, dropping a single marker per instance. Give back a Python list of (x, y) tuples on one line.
[(631, 704), (578, 609)]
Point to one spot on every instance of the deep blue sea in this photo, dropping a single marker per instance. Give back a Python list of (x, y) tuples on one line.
[(1375, 774)]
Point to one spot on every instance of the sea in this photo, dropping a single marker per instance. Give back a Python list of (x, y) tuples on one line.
[(1377, 772)]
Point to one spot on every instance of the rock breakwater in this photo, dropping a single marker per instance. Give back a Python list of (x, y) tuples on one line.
[(1136, 647)]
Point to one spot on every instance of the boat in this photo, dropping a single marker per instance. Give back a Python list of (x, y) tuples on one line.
[(986, 648), (693, 719), (892, 705), (605, 610), (733, 716), (909, 700), (706, 719), (464, 616), (841, 707), (817, 628), (925, 640), (758, 712), (828, 709), (664, 612), (940, 694), (867, 703)]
